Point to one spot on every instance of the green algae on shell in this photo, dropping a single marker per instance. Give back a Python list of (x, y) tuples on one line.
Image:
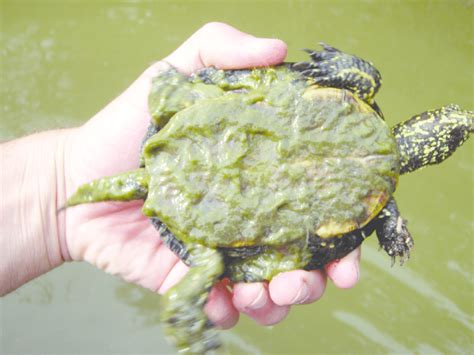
[(247, 168)]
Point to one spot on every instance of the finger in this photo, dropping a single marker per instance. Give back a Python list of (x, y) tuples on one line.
[(214, 44), (175, 275), (297, 287), (220, 45), (344, 273), (219, 307), (253, 299)]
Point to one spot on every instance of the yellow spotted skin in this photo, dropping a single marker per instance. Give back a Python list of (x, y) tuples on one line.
[(432, 136)]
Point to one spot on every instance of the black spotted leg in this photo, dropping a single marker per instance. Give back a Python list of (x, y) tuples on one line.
[(333, 68), (393, 234)]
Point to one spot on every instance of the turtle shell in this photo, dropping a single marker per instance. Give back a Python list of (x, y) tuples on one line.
[(268, 167)]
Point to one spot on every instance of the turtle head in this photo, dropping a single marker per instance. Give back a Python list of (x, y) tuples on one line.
[(460, 120), (432, 136)]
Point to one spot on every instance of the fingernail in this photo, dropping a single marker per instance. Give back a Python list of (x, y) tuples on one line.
[(302, 295), (259, 301)]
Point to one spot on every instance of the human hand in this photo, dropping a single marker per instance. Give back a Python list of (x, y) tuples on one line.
[(117, 238)]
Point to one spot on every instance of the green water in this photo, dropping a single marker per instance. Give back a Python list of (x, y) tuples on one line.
[(62, 61)]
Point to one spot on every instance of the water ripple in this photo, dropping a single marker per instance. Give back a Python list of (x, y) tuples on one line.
[(420, 286), (371, 332)]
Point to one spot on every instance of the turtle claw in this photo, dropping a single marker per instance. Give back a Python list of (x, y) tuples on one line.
[(397, 242), (403, 258), (327, 53), (393, 261)]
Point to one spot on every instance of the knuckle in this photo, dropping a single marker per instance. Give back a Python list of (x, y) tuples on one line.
[(211, 27)]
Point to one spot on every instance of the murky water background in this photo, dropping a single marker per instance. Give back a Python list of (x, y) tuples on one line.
[(62, 61)]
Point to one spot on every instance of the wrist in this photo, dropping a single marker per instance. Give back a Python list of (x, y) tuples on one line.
[(32, 231)]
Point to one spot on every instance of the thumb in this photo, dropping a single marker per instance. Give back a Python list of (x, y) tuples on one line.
[(126, 118), (222, 46)]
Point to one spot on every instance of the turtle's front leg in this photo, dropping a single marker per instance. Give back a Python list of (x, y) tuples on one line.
[(393, 234), (333, 68), (185, 322)]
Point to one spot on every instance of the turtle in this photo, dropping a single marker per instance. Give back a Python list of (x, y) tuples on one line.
[(249, 173)]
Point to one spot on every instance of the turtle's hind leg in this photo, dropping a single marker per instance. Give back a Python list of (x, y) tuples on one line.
[(333, 68), (185, 322), (170, 240), (393, 234)]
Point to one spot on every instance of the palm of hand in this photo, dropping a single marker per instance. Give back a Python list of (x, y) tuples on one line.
[(116, 237)]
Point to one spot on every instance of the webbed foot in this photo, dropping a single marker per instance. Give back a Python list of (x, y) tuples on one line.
[(393, 233), (333, 68)]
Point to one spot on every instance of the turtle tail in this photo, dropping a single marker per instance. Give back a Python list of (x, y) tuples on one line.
[(131, 185), (432, 136)]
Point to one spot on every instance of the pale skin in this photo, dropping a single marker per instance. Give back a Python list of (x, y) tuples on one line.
[(40, 171)]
